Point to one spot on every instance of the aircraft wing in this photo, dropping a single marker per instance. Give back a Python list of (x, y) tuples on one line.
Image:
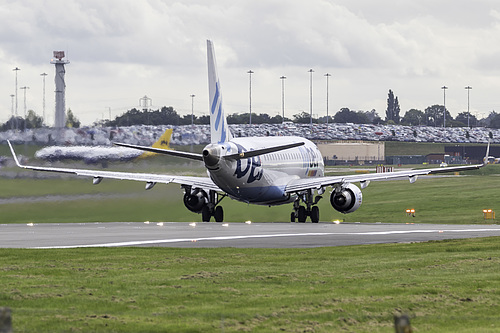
[(302, 184), (199, 182), (319, 182)]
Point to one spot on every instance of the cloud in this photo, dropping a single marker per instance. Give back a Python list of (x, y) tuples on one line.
[(121, 50)]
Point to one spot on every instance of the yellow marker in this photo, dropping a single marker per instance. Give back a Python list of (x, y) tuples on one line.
[(162, 143)]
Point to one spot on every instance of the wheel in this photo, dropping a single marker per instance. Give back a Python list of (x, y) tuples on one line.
[(219, 214), (302, 214), (205, 214), (292, 217), (315, 214)]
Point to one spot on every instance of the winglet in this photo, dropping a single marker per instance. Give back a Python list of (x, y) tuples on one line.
[(14, 155), (485, 160)]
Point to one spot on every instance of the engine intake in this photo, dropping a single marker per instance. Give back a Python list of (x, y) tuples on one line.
[(347, 199), (195, 200)]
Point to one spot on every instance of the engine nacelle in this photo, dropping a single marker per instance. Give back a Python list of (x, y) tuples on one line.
[(195, 200), (347, 200)]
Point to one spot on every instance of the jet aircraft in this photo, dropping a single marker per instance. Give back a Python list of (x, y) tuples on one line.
[(256, 170), (101, 154)]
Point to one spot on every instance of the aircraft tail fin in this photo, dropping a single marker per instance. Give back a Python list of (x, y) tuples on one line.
[(162, 143), (219, 129)]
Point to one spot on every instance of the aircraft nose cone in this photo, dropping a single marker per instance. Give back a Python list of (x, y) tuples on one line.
[(211, 156)]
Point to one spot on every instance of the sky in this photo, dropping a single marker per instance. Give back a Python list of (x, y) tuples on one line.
[(122, 50)]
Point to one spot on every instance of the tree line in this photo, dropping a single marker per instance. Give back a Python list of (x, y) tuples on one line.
[(433, 115)]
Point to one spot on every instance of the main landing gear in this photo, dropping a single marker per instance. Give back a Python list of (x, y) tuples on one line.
[(301, 213), (212, 208)]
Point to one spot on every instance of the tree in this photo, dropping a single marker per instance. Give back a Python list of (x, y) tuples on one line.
[(434, 115), (347, 116), (397, 110), (487, 121), (71, 120), (462, 117), (413, 117), (495, 121), (33, 121), (302, 118), (203, 120), (373, 116), (393, 109), (13, 123)]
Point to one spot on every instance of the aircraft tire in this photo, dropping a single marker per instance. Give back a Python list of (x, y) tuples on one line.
[(219, 214), (205, 214), (315, 214), (302, 214)]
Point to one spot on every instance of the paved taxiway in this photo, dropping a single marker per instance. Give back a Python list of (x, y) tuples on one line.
[(242, 235)]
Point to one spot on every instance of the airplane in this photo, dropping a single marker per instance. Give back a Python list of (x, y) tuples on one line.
[(255, 170), (101, 154)]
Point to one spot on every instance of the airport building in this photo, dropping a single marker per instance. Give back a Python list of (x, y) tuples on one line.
[(352, 152)]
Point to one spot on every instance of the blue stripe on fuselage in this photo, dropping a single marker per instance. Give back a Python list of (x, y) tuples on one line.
[(259, 194)]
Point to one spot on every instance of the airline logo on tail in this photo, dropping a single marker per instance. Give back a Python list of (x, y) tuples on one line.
[(163, 143), (218, 124)]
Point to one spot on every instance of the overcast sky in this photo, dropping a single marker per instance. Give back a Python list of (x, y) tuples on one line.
[(121, 50)]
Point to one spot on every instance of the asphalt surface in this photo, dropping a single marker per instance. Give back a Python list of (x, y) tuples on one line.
[(240, 235)]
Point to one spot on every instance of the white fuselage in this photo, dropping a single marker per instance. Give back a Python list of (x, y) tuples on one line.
[(262, 179)]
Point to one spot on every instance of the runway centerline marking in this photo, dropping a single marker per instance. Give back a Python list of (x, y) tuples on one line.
[(223, 238)]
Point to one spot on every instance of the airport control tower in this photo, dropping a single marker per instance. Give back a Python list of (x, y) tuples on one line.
[(60, 118)]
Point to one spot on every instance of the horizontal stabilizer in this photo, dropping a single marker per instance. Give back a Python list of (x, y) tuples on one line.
[(258, 152), (182, 154)]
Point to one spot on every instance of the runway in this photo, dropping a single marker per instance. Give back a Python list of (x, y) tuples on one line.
[(240, 235)]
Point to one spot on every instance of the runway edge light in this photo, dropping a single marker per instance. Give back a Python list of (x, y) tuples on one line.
[(488, 214), (410, 212)]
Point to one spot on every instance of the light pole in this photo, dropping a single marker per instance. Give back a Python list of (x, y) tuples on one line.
[(250, 72), (109, 110), (16, 70), (25, 118), (283, 78), (43, 105), (468, 105), (444, 105), (327, 77), (12, 110), (311, 98), (192, 110)]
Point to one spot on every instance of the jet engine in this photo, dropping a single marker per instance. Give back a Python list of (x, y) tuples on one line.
[(195, 200), (346, 199)]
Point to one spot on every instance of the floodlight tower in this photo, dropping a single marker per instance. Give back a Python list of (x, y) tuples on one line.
[(60, 117)]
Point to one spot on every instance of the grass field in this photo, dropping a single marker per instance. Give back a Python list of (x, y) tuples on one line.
[(449, 286), (447, 199)]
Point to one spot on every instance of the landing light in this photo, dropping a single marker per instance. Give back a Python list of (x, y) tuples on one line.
[(160, 224), (30, 224), (146, 222), (248, 222), (192, 224)]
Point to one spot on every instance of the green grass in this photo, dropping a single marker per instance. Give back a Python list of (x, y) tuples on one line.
[(449, 286), (437, 200)]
